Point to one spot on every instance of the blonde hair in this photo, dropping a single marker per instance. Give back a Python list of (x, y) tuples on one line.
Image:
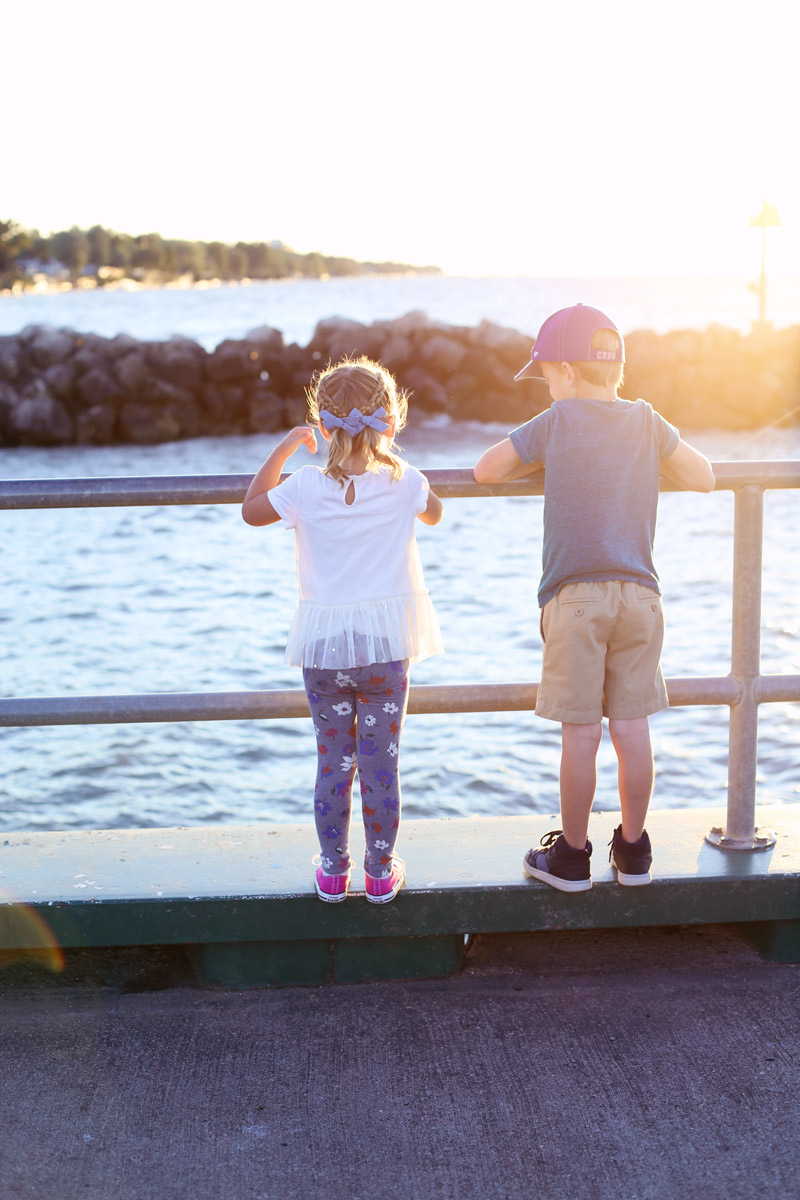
[(366, 385), (602, 374)]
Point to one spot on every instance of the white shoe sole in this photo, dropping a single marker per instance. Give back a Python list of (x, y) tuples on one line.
[(401, 883), (631, 880), (327, 897), (563, 885), (389, 895)]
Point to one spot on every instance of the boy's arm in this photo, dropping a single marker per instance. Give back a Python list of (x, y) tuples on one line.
[(689, 469), (256, 509), (501, 464), (431, 515)]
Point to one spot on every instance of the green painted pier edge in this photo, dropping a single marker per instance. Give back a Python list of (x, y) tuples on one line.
[(240, 899)]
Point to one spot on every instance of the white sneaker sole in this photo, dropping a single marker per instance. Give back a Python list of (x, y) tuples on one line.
[(631, 880), (327, 897), (389, 895), (563, 885)]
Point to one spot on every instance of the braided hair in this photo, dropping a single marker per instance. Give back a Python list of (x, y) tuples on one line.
[(366, 385)]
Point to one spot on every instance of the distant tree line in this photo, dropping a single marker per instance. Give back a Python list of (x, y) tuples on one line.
[(103, 251)]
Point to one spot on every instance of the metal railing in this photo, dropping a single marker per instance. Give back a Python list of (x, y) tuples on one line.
[(743, 689)]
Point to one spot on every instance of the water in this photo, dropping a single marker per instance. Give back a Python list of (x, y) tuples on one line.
[(295, 306), (191, 599), (134, 600)]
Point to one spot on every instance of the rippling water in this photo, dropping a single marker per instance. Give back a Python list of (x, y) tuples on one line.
[(295, 306), (191, 599)]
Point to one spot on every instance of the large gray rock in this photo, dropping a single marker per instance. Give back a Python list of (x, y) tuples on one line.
[(10, 359), (124, 343), (266, 339), (412, 323), (50, 346), (441, 355), (133, 372), (94, 346), (295, 411), (233, 362), (59, 379), (178, 361), (98, 386), (39, 419), (508, 345), (146, 425), (225, 405), (337, 338), (397, 351), (173, 405), (28, 333), (8, 401), (158, 392), (426, 393), (265, 410), (95, 425)]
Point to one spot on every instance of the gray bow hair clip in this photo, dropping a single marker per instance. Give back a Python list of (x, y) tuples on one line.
[(355, 422)]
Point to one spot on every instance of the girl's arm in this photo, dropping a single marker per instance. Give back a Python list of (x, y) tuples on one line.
[(689, 469), (501, 464), (432, 515), (256, 509)]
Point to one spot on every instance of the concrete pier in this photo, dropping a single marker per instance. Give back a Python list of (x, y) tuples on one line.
[(644, 1064)]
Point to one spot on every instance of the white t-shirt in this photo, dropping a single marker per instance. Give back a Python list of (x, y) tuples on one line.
[(362, 593)]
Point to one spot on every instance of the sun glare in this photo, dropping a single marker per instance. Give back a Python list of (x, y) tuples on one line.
[(569, 141)]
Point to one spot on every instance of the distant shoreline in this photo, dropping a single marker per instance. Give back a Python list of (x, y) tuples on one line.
[(183, 283)]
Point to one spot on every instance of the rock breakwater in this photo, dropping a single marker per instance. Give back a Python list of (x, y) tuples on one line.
[(59, 387)]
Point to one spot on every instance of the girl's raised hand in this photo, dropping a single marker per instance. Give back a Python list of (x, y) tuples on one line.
[(301, 435), (257, 509)]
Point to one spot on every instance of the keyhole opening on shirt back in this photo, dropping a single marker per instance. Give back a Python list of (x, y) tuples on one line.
[(350, 494)]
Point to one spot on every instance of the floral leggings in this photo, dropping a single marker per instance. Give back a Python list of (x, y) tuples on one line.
[(358, 714)]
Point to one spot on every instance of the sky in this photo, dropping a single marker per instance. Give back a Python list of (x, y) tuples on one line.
[(560, 139)]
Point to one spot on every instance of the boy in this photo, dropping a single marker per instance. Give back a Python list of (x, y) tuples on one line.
[(602, 622)]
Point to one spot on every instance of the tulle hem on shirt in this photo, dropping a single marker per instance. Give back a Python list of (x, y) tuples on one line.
[(371, 631)]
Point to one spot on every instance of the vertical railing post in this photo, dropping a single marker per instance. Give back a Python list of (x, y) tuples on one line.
[(748, 528)]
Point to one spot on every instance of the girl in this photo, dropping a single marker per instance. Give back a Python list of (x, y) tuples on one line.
[(364, 613)]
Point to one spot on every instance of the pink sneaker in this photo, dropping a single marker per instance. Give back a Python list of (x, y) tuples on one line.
[(381, 891), (332, 888)]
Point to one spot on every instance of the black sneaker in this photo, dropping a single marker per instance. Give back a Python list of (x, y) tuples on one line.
[(559, 865), (631, 860)]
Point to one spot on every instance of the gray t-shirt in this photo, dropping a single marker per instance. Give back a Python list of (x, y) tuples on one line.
[(601, 475)]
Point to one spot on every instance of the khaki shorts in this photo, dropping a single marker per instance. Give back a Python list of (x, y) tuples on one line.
[(602, 654)]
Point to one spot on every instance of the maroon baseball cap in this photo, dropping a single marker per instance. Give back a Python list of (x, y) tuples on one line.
[(566, 336)]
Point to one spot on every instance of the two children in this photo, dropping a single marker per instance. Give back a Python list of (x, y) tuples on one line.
[(364, 613)]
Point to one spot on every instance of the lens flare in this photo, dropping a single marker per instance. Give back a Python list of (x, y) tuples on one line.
[(25, 936)]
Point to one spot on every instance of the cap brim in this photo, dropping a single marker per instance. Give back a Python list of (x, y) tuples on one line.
[(527, 371)]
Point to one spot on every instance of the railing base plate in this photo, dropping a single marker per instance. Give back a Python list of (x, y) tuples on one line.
[(762, 839)]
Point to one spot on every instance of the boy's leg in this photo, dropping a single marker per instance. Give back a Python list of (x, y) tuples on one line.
[(578, 779), (631, 740), (564, 858), (331, 698), (382, 699)]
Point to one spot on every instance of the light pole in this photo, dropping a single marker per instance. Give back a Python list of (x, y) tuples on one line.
[(768, 216)]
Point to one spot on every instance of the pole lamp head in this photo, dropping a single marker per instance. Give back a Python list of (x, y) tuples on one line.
[(768, 216)]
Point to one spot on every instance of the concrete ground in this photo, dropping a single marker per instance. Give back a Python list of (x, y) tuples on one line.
[(633, 1064)]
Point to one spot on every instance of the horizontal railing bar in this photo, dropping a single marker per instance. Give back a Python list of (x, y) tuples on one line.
[(235, 706), (776, 689), (230, 489)]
